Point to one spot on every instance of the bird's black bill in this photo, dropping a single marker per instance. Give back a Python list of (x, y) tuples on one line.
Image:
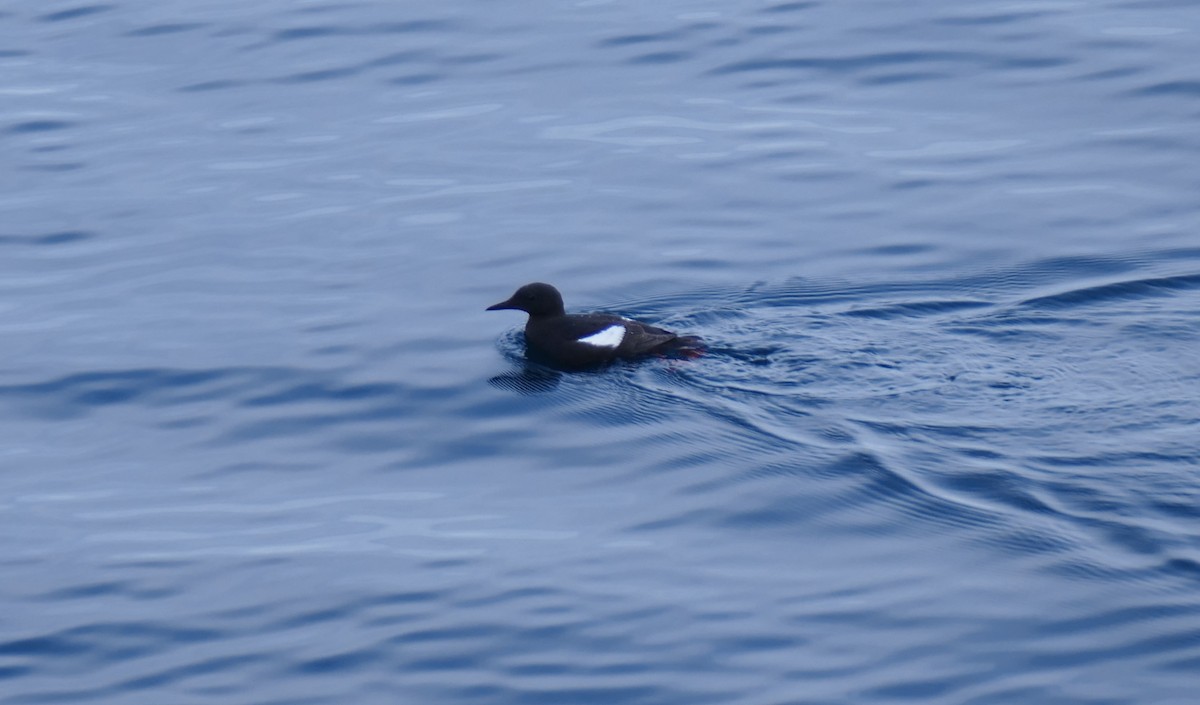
[(500, 306)]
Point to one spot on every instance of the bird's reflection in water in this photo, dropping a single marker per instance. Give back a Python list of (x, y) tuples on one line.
[(528, 378)]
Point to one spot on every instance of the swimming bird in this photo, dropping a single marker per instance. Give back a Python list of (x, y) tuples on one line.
[(580, 340)]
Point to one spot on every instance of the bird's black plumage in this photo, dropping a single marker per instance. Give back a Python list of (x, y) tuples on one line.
[(578, 340)]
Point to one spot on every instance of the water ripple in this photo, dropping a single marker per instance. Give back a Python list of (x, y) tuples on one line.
[(1121, 291), (261, 443)]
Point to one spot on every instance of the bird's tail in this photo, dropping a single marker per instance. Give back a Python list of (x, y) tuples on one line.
[(684, 347)]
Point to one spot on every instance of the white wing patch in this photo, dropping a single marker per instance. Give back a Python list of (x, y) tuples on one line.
[(609, 337)]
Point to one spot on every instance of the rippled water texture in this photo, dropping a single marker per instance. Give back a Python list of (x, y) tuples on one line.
[(260, 443)]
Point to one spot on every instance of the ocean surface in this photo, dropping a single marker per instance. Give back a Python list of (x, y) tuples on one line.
[(261, 444)]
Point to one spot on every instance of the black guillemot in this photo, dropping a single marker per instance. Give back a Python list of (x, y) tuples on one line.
[(580, 340)]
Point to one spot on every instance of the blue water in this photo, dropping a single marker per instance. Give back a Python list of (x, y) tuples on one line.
[(260, 443)]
